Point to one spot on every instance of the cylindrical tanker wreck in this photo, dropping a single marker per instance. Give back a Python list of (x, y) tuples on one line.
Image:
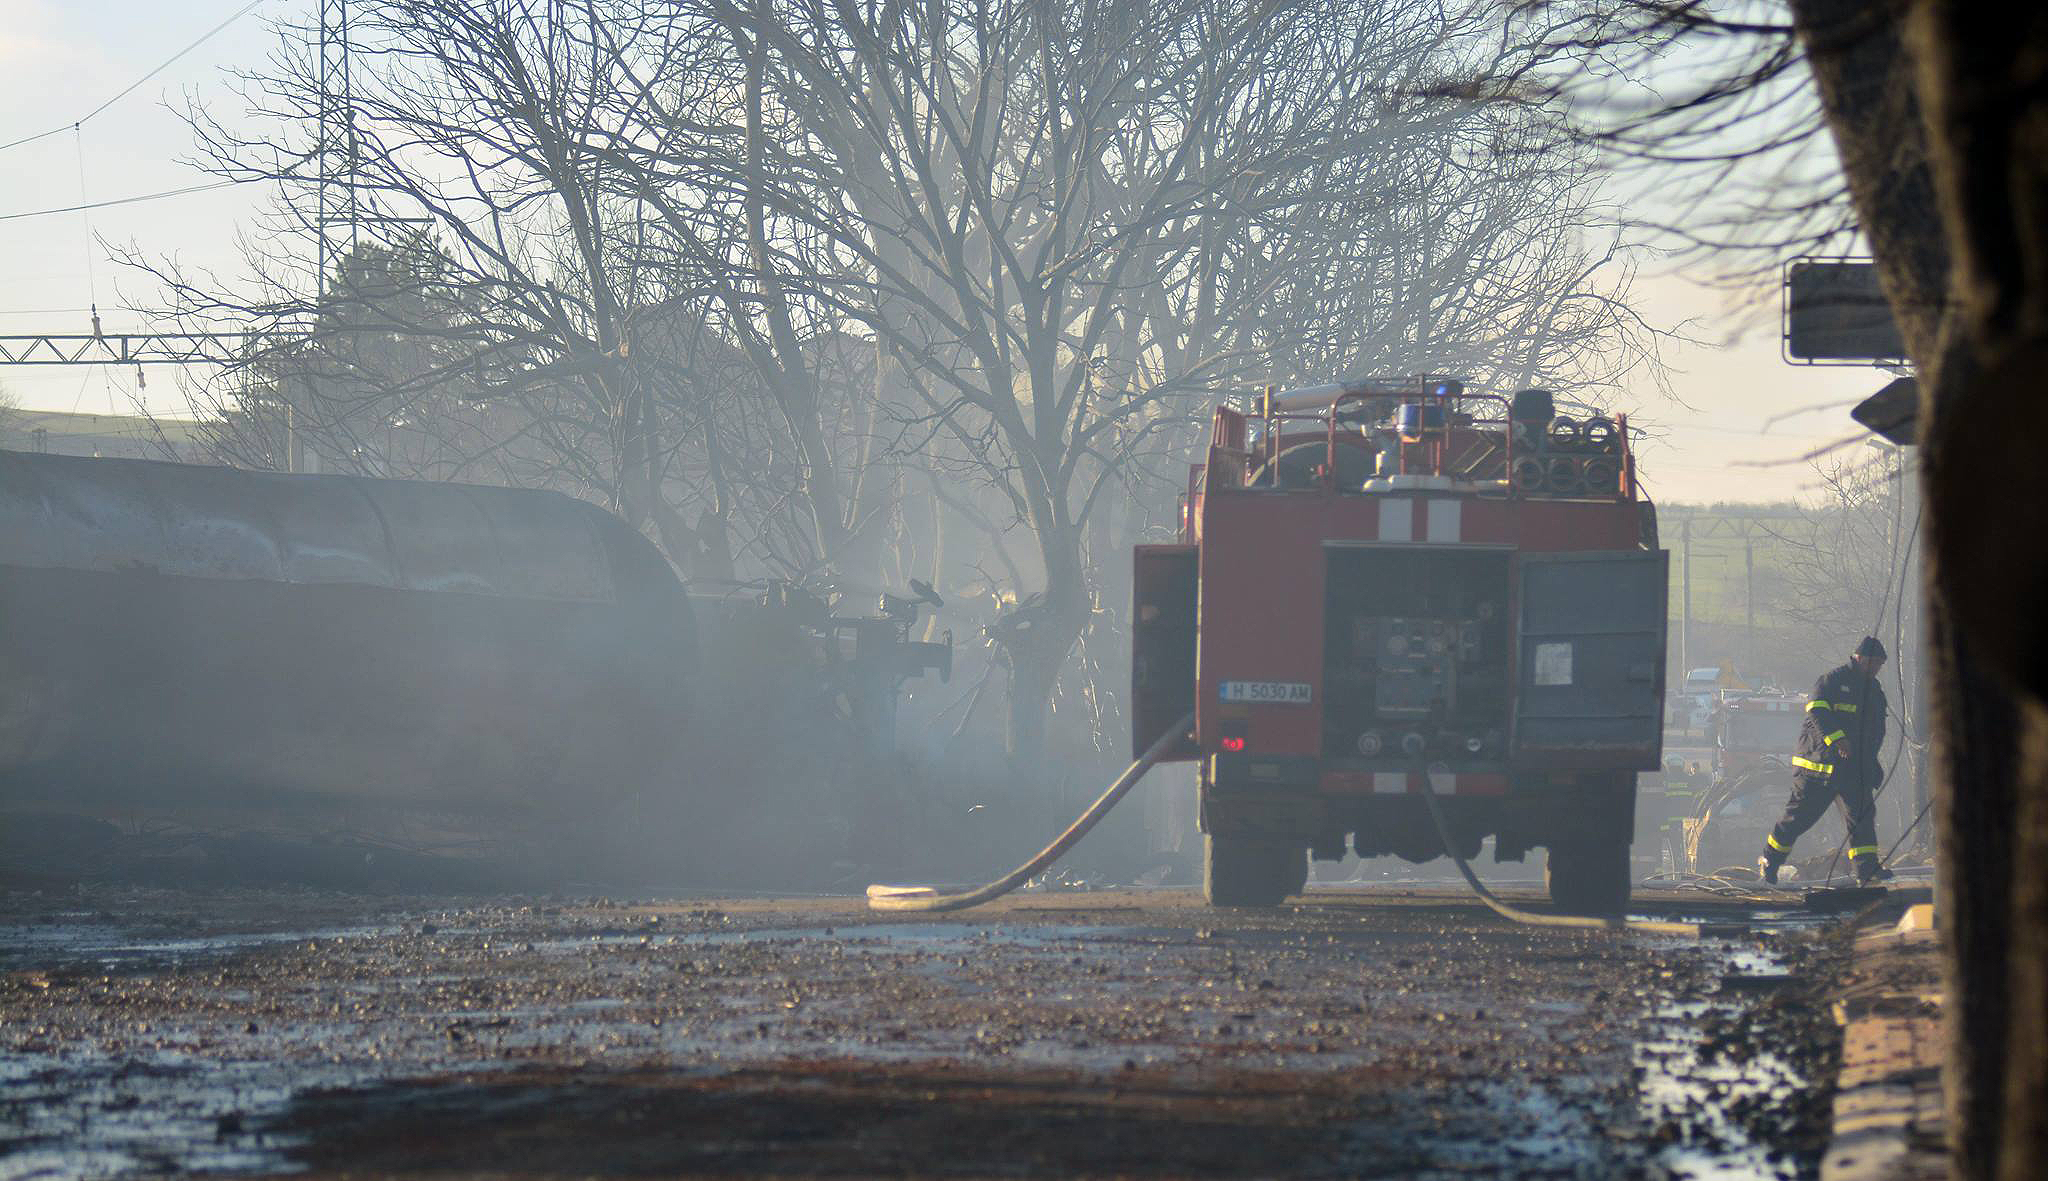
[(185, 638)]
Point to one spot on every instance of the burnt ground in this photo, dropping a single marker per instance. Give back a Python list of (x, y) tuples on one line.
[(1120, 1034)]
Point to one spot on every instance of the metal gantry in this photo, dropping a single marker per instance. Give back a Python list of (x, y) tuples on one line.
[(338, 218), (136, 348), (337, 222), (1742, 523)]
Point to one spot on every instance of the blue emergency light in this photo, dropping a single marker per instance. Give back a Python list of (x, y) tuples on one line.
[(1415, 419)]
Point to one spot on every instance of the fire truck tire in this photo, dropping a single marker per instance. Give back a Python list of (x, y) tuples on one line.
[(1250, 871), (1589, 878)]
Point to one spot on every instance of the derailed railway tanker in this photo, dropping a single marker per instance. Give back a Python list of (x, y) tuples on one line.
[(1384, 589), (222, 644)]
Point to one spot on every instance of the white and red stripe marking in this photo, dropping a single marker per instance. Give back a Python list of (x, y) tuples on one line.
[(1434, 520)]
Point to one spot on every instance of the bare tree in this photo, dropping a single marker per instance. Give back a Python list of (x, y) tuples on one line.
[(1067, 229), (481, 217), (817, 273)]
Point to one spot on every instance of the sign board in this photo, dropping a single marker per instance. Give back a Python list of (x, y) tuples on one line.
[(1554, 663), (1835, 311), (1893, 411)]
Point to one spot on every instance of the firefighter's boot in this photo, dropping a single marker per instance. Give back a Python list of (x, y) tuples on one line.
[(1767, 866), (1869, 872)]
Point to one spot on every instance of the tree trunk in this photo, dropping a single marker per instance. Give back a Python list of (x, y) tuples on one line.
[(1035, 663), (1983, 77), (786, 368), (1939, 111), (1032, 673), (639, 476)]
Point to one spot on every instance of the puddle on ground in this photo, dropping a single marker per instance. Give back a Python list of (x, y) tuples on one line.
[(79, 1114), (68, 947), (173, 1107), (918, 938), (1683, 1088), (1530, 1132)]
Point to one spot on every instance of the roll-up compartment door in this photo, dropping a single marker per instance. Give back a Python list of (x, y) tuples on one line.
[(1590, 682)]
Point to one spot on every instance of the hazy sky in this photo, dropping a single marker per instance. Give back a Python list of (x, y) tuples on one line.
[(59, 61)]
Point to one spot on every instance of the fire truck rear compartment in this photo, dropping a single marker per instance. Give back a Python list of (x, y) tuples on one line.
[(1418, 671), (1416, 663)]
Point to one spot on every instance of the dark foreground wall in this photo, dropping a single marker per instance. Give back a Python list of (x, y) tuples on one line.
[(173, 635)]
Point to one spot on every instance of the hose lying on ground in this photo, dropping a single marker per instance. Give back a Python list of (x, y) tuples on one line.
[(924, 898), (1443, 832)]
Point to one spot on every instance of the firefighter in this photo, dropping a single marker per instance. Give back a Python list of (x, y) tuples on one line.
[(1837, 761), (1678, 805)]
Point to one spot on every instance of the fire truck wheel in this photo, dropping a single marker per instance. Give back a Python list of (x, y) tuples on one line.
[(1249, 871), (1590, 878)]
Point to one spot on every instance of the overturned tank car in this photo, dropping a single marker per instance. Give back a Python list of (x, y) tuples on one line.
[(204, 641)]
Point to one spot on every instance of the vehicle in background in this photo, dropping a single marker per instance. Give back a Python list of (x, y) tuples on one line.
[(1750, 729), (1753, 735)]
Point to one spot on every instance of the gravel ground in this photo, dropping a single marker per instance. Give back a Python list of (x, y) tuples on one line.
[(1118, 1034)]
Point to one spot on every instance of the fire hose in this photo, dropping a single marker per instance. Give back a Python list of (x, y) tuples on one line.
[(925, 898), (1443, 832)]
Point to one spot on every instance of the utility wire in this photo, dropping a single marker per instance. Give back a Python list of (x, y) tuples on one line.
[(1909, 829), (1901, 557), (92, 289), (133, 86), (219, 184)]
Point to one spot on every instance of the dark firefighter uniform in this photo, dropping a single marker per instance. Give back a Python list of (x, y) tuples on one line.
[(1684, 786), (1836, 762), (1678, 806)]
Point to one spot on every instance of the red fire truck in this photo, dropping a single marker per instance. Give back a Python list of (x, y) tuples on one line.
[(1391, 587), (1754, 729)]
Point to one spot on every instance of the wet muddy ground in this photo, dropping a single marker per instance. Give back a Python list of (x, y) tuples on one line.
[(1120, 1034)]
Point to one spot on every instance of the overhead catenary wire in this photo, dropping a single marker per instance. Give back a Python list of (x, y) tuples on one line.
[(132, 87), (201, 188)]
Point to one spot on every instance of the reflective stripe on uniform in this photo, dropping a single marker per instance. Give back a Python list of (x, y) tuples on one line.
[(1863, 851), (1847, 707), (1810, 765), (1837, 736), (1814, 705), (1771, 839)]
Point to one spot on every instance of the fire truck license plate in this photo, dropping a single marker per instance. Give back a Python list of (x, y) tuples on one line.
[(1265, 692)]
